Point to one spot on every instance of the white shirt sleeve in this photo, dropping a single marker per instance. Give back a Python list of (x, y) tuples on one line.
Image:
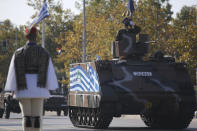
[(51, 83), (11, 78)]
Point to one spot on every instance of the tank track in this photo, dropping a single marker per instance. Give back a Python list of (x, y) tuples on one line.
[(179, 121), (89, 117)]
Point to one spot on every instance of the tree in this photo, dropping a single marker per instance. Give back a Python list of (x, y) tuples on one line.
[(56, 25), (104, 19), (183, 41), (154, 17), (8, 34)]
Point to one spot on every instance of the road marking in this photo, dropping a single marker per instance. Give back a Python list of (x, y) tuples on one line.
[(8, 128)]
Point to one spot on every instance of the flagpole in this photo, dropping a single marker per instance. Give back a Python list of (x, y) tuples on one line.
[(42, 15), (84, 32), (43, 31), (43, 34)]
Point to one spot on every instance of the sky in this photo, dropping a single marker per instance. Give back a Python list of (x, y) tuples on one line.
[(19, 13)]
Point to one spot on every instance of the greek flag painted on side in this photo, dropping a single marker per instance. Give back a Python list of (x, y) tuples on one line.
[(80, 80), (44, 12)]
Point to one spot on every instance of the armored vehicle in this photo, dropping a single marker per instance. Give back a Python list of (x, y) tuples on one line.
[(158, 89), (57, 102)]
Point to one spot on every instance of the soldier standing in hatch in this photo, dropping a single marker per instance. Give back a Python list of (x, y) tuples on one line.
[(31, 75), (130, 27), (130, 30)]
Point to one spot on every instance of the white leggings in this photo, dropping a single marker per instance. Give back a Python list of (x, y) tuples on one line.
[(32, 107)]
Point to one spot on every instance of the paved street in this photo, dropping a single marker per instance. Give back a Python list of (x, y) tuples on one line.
[(55, 123)]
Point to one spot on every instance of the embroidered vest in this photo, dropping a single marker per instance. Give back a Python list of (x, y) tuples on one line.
[(31, 59)]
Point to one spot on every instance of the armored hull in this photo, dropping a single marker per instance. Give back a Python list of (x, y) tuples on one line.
[(160, 90)]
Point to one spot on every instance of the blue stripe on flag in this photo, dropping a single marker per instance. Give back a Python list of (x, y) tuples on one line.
[(131, 6), (85, 84), (82, 85), (74, 68), (88, 80), (82, 77), (84, 81), (77, 86), (44, 12)]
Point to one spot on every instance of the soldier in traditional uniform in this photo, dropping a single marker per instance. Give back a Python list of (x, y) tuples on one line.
[(31, 75)]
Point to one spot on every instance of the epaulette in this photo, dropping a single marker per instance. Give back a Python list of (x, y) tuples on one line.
[(19, 51)]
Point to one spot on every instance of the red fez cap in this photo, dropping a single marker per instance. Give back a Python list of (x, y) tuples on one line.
[(28, 31)]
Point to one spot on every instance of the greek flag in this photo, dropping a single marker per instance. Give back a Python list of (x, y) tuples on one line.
[(81, 80), (44, 12), (130, 9), (131, 6), (98, 57)]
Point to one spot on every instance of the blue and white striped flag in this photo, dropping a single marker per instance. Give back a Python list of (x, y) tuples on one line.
[(131, 7), (98, 57), (44, 12)]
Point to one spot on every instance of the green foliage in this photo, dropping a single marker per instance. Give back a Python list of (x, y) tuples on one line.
[(183, 40), (154, 17), (56, 26), (103, 21), (9, 33)]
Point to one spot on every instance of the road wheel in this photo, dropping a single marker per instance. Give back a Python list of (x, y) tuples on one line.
[(102, 121), (89, 117), (72, 115), (79, 117), (84, 116)]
